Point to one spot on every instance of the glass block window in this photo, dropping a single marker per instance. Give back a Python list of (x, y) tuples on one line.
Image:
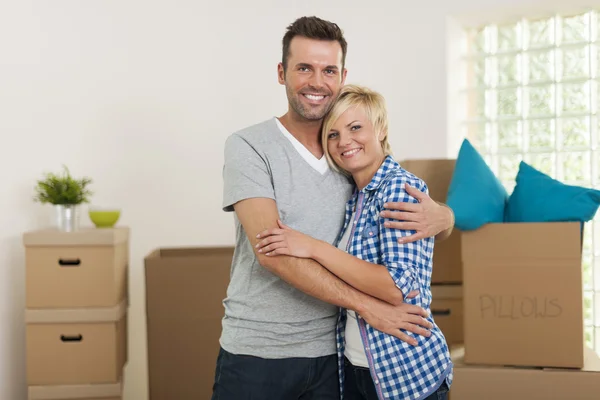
[(531, 92)]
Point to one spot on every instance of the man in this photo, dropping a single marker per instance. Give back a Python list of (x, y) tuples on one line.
[(278, 339)]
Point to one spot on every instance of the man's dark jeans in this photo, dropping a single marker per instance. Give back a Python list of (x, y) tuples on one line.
[(358, 385), (241, 377)]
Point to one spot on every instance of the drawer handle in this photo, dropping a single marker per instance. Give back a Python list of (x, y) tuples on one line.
[(441, 312), (66, 338), (69, 263)]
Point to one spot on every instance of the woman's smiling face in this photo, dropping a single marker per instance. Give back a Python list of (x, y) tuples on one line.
[(353, 143)]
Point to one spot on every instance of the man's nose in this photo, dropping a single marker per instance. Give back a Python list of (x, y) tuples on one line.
[(316, 81)]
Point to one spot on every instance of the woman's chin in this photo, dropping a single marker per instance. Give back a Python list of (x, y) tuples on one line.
[(349, 168), (350, 165)]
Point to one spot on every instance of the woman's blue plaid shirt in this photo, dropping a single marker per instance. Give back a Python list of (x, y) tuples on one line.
[(399, 370)]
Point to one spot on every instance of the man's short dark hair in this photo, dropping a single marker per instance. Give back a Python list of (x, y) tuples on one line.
[(313, 28)]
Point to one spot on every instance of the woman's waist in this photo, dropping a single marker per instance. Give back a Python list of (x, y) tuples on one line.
[(433, 347)]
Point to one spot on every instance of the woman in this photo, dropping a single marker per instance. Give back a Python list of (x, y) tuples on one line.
[(373, 365)]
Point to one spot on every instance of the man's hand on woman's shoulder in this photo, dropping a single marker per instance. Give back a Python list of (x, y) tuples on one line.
[(427, 217)]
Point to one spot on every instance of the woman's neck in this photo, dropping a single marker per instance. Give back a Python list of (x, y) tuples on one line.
[(364, 176)]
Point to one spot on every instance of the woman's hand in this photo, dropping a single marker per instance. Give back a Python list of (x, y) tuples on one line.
[(285, 241)]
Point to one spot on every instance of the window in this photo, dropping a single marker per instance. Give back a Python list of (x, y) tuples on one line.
[(531, 91)]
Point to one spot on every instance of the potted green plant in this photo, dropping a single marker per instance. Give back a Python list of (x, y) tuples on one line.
[(66, 194)]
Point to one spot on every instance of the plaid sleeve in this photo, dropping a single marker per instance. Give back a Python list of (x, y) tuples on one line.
[(401, 260)]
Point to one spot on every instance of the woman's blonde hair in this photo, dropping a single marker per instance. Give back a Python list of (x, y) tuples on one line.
[(375, 108)]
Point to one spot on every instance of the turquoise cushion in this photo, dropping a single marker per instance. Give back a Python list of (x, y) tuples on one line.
[(539, 198), (475, 194)]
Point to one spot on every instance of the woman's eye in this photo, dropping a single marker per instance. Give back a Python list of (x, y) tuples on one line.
[(355, 127), (332, 136)]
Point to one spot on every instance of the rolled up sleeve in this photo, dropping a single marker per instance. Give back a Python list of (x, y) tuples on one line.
[(402, 260)]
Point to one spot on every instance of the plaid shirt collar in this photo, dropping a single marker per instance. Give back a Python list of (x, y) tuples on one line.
[(388, 164)]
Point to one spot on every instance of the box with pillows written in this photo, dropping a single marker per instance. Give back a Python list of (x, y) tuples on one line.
[(522, 264), (523, 295)]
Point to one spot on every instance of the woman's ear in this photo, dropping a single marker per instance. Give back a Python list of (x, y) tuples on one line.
[(382, 135)]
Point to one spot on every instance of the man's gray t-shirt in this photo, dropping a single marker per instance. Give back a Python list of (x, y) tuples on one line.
[(265, 316)]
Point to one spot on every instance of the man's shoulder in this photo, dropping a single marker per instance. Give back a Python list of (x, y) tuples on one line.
[(259, 133)]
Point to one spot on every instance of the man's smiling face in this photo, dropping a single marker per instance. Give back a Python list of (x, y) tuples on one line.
[(313, 77)]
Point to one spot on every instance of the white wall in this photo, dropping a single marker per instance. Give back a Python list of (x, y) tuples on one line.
[(140, 95)]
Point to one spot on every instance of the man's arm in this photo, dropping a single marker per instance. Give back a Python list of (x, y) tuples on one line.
[(307, 275), (258, 214), (443, 235), (370, 278)]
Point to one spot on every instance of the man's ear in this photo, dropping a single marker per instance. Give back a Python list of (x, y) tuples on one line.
[(344, 73), (281, 74)]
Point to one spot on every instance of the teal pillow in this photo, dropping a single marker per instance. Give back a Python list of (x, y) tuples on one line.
[(539, 198), (475, 195)]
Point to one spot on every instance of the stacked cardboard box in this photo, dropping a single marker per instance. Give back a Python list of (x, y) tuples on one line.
[(523, 315), (523, 295), (76, 313), (517, 330), (447, 279)]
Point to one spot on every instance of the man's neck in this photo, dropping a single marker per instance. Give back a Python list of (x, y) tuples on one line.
[(306, 132)]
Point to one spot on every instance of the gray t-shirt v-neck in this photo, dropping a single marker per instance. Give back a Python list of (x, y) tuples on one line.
[(265, 316)]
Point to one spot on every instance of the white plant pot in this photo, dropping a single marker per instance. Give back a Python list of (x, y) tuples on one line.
[(67, 217)]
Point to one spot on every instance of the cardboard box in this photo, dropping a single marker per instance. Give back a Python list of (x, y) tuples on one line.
[(87, 268), (473, 382), (185, 289), (437, 174), (447, 311), (447, 264), (82, 398), (112, 391), (523, 295), (77, 346)]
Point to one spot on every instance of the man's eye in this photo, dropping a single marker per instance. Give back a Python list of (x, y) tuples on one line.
[(330, 71)]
